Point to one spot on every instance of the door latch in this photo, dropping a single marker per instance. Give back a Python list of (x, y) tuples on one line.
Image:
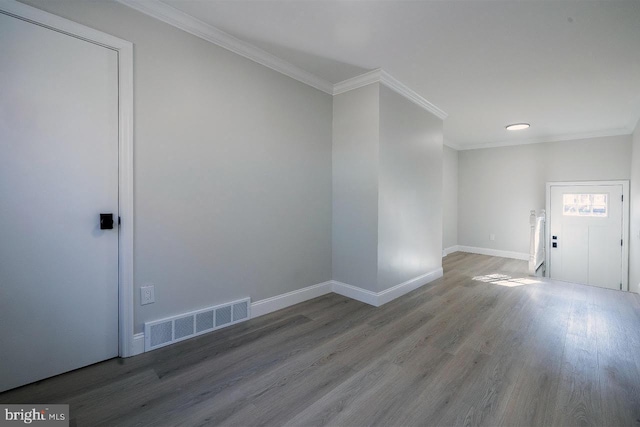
[(106, 221)]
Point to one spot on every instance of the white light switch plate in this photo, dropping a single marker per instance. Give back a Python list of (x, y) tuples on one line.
[(147, 295)]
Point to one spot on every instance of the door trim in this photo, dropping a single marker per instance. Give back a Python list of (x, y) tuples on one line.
[(125, 151), (625, 221)]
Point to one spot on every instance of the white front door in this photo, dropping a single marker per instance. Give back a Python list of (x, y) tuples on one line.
[(586, 234), (58, 172)]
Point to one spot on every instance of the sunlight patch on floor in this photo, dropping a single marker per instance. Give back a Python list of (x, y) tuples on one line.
[(504, 280)]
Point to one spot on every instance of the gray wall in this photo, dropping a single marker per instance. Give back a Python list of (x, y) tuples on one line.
[(232, 168), (449, 197), (410, 191), (356, 123), (634, 254), (499, 186)]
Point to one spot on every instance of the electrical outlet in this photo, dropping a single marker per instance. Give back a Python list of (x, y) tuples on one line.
[(492, 237), (147, 295)]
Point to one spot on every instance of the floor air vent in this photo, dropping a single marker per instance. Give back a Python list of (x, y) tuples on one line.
[(183, 326)]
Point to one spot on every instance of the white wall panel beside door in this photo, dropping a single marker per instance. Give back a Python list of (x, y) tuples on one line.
[(59, 136)]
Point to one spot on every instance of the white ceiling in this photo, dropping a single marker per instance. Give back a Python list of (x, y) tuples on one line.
[(570, 69)]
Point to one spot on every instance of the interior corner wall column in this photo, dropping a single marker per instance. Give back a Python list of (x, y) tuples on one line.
[(449, 198), (409, 190), (356, 124), (634, 229), (387, 188)]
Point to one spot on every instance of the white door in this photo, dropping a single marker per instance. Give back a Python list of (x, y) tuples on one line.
[(58, 172), (585, 234)]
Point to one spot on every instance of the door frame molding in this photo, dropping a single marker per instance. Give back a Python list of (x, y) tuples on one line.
[(125, 151), (625, 221)]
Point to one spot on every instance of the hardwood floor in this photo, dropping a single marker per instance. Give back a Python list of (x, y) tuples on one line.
[(484, 345)]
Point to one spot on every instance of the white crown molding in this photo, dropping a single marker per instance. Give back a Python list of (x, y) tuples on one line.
[(172, 16), (191, 25), (451, 145), (373, 76), (399, 87), (381, 76), (566, 137)]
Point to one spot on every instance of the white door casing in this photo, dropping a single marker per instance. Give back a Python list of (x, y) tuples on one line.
[(21, 124), (591, 248)]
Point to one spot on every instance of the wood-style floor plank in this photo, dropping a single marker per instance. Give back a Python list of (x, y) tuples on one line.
[(483, 345)]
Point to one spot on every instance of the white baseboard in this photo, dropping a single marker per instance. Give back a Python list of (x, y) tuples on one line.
[(137, 347), (278, 302), (494, 252), (262, 307), (380, 298), (356, 293), (408, 286), (450, 250)]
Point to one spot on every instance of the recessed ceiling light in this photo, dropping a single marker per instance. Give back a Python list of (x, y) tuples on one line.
[(518, 126)]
